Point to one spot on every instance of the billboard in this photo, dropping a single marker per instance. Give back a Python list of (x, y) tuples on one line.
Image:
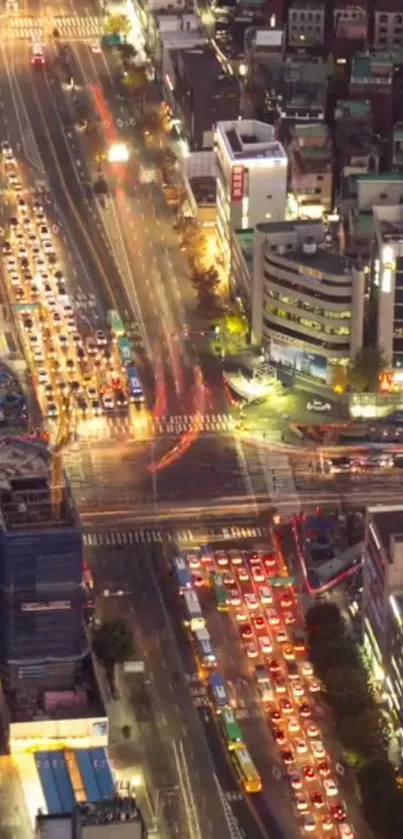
[(237, 182)]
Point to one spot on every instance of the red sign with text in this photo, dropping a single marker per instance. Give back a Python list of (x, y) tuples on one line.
[(237, 183)]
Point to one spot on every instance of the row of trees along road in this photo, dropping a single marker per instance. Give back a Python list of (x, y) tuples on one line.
[(361, 725)]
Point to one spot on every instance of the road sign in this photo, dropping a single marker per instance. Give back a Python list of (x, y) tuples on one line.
[(276, 772), (133, 667), (340, 768)]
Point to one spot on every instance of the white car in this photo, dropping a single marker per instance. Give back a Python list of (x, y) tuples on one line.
[(6, 150), (43, 376), (318, 749), (258, 573), (234, 597), (281, 637), (300, 747), (251, 650), (108, 403), (100, 338), (330, 787), (193, 560), (265, 644), (306, 668), (293, 725), (308, 822), (251, 602), (319, 406), (265, 595), (38, 354), (221, 558), (52, 410), (297, 687), (273, 617), (15, 279), (346, 831), (312, 730), (301, 803)]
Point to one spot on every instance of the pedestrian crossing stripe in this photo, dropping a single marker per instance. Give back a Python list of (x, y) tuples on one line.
[(94, 539), (70, 26)]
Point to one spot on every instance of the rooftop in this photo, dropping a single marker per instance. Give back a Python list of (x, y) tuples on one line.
[(381, 177), (388, 222), (388, 521), (315, 5), (363, 224), (249, 139), (203, 68), (82, 701), (354, 109), (54, 827), (321, 261), (372, 69), (25, 489), (117, 818), (312, 130)]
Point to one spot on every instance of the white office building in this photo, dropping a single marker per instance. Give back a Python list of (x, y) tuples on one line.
[(388, 276), (306, 301), (251, 178)]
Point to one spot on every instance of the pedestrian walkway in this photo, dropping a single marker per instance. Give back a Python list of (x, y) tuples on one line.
[(279, 479), (101, 538), (71, 27), (183, 423)]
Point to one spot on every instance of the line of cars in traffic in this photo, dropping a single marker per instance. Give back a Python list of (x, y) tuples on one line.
[(72, 368), (254, 587)]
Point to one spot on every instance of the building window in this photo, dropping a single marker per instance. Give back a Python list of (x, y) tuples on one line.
[(398, 19), (383, 18), (319, 177), (382, 30), (383, 195)]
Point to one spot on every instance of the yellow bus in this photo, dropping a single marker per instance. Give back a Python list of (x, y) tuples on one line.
[(246, 770)]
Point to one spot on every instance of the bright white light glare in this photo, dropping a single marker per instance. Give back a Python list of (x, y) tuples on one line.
[(118, 153)]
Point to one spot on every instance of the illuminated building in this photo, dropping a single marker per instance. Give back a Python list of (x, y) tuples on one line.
[(307, 301), (311, 168), (372, 79), (388, 278), (41, 594), (382, 602), (251, 177)]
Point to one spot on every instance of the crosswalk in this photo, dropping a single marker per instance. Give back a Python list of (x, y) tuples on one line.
[(95, 539), (118, 427), (279, 479), (71, 27), (182, 423)]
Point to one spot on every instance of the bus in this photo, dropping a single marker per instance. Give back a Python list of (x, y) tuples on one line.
[(182, 574), (136, 391), (246, 771), (218, 692), (231, 730), (193, 614), (220, 592), (204, 650), (125, 350), (115, 323)]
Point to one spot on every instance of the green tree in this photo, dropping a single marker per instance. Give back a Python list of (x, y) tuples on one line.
[(347, 690), (368, 739), (117, 25), (364, 372), (155, 125), (112, 642), (382, 800), (135, 80), (234, 329), (327, 653), (324, 619), (127, 54)]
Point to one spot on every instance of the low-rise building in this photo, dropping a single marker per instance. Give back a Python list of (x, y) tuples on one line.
[(350, 28), (356, 150), (205, 92), (311, 169), (372, 79), (108, 818), (263, 45), (251, 177), (388, 24), (306, 24), (382, 603)]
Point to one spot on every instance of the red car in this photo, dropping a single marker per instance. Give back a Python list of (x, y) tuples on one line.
[(338, 812), (309, 773), (305, 710), (274, 666), (246, 631), (324, 768)]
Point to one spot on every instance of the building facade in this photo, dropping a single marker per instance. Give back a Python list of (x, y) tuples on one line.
[(388, 281), (251, 177), (205, 92), (388, 24), (382, 603), (306, 24), (41, 573), (307, 301), (311, 169)]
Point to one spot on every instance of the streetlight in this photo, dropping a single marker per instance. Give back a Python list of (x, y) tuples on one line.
[(118, 153)]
